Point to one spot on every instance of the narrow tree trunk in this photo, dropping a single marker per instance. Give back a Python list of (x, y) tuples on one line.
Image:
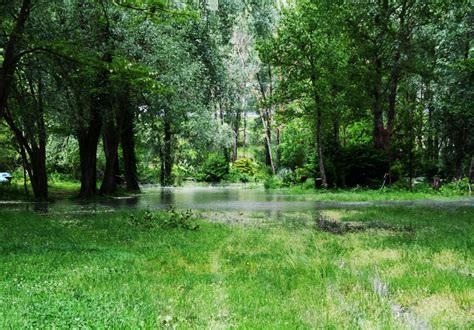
[(245, 136), (167, 157), (319, 122), (25, 173), (378, 131), (268, 144), (236, 129), (278, 142), (471, 175), (339, 166), (265, 117), (268, 134), (411, 153)]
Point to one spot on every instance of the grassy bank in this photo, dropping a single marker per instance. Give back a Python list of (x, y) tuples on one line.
[(101, 270), (362, 195)]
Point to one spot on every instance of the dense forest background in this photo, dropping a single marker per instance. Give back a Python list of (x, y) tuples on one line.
[(331, 92)]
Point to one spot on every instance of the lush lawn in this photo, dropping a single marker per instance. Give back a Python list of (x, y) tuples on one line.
[(99, 270)]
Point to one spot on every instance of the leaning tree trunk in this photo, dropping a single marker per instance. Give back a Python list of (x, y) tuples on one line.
[(32, 143), (34, 161), (10, 55)]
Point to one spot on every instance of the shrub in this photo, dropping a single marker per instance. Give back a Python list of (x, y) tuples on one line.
[(273, 182), (456, 187), (236, 176), (287, 176), (245, 166), (214, 169)]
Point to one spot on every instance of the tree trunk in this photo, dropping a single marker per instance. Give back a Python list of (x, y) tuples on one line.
[(319, 123), (266, 121), (88, 143), (167, 157), (268, 135), (111, 143), (10, 56), (39, 181), (471, 175), (268, 144), (88, 138), (278, 142), (33, 157), (245, 136), (339, 165), (236, 129), (128, 142), (379, 131)]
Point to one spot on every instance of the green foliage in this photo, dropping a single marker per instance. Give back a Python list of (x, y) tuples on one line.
[(296, 148), (456, 187), (273, 182), (171, 219), (245, 166), (235, 175), (242, 170), (214, 169)]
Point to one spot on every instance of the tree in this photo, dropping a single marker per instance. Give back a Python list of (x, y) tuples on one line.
[(309, 52)]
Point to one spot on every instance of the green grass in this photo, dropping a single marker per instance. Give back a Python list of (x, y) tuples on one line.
[(98, 270), (56, 190), (362, 195)]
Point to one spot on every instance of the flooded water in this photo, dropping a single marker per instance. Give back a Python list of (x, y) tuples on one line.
[(231, 198)]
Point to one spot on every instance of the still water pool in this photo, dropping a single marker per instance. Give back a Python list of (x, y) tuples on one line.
[(221, 198)]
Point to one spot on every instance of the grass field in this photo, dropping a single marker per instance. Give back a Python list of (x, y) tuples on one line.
[(415, 268)]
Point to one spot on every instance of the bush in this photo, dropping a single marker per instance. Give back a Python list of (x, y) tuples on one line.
[(243, 170), (236, 176), (171, 219), (456, 187), (287, 176), (214, 169), (273, 182), (245, 166)]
